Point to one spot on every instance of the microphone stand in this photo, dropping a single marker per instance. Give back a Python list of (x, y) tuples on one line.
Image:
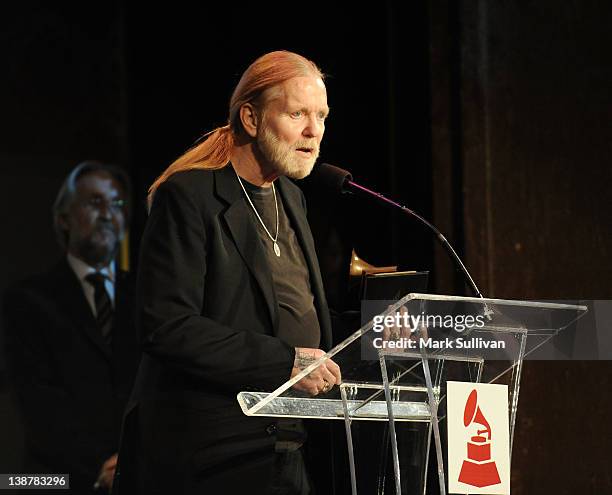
[(351, 186)]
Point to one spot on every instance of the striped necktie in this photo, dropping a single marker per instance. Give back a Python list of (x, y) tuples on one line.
[(104, 308)]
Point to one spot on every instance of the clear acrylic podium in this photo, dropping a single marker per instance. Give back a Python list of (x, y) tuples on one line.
[(396, 377)]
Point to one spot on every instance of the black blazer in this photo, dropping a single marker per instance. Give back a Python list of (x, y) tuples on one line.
[(208, 320), (71, 386)]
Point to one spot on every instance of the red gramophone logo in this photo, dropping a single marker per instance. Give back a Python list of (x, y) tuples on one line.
[(478, 469)]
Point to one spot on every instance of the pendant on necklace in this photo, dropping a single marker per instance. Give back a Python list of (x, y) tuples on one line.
[(276, 250)]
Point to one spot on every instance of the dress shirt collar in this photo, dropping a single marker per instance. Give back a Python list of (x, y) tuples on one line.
[(82, 269)]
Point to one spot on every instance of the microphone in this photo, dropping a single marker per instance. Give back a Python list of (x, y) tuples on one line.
[(341, 181), (332, 178)]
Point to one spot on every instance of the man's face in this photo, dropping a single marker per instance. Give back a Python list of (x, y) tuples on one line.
[(293, 126), (95, 220)]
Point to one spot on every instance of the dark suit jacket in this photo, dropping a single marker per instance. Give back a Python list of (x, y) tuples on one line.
[(71, 386), (208, 319)]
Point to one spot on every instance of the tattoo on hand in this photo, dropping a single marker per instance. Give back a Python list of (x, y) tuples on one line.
[(303, 360)]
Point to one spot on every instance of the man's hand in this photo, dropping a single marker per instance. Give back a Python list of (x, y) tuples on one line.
[(107, 473), (397, 332), (321, 379), (401, 331)]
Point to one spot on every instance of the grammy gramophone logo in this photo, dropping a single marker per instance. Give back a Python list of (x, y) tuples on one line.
[(478, 438), (478, 469)]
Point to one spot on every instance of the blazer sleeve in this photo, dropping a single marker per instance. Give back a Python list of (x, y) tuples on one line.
[(171, 287)]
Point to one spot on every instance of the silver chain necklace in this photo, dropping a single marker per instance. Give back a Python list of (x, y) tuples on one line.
[(275, 238)]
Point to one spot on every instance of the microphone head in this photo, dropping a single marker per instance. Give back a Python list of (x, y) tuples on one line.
[(331, 177)]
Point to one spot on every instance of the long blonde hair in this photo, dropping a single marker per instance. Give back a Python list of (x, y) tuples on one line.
[(214, 151)]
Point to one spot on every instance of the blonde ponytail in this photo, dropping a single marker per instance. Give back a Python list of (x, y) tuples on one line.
[(211, 154)]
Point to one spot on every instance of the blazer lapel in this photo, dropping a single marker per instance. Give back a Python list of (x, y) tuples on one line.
[(245, 236), (75, 304)]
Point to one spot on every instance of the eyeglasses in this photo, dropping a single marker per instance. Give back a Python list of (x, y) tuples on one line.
[(98, 203)]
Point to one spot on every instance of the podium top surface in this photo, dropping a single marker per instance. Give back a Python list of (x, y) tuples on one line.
[(499, 302), (497, 331)]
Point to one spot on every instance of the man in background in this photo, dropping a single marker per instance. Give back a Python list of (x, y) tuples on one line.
[(71, 345)]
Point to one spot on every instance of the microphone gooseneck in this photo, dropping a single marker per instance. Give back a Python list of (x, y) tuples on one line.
[(341, 181)]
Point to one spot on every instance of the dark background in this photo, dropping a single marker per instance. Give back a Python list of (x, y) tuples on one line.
[(493, 119)]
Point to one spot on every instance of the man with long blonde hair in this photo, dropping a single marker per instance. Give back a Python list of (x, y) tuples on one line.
[(230, 296)]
